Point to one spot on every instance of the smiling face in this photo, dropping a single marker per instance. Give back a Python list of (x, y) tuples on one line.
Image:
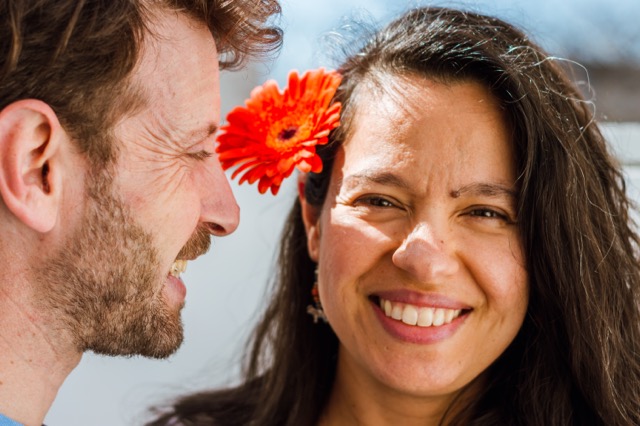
[(167, 170), (116, 280), (421, 271)]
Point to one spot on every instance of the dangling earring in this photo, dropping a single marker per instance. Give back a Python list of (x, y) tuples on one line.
[(315, 310)]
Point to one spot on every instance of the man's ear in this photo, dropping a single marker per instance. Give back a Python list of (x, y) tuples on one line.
[(30, 179), (311, 219)]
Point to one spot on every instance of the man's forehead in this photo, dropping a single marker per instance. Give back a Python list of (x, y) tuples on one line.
[(173, 44)]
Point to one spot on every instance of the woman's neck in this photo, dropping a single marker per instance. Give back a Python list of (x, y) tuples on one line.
[(359, 399)]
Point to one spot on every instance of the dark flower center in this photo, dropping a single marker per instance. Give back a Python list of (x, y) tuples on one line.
[(287, 133)]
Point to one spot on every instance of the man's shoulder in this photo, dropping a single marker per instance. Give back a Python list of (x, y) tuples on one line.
[(6, 421)]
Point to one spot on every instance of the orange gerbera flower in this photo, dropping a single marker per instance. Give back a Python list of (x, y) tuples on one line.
[(277, 131)]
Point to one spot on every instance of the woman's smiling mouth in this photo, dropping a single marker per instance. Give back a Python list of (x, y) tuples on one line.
[(417, 315), (419, 318)]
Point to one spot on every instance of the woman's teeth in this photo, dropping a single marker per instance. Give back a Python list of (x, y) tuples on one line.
[(178, 267), (416, 315)]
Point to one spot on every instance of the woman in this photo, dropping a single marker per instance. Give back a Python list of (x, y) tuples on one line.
[(476, 262)]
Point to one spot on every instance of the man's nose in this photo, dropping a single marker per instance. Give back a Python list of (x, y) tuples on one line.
[(220, 212)]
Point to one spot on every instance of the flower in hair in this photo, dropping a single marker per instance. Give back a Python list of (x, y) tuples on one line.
[(276, 131)]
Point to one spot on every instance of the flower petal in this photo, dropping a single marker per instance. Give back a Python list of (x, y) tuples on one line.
[(277, 131)]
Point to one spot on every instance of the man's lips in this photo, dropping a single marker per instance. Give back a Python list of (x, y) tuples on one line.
[(197, 245), (178, 267)]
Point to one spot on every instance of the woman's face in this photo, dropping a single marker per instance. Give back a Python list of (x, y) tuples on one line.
[(421, 270)]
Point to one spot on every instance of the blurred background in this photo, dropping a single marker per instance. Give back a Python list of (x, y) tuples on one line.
[(227, 287)]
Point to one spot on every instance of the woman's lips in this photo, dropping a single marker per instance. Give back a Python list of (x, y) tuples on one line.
[(418, 315), (419, 318)]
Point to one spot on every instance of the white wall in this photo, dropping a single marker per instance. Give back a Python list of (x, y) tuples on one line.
[(625, 139)]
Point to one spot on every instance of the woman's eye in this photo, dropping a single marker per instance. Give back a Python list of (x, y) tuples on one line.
[(489, 214), (375, 201)]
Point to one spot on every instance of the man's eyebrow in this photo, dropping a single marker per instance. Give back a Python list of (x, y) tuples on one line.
[(382, 178), (486, 189), (198, 135)]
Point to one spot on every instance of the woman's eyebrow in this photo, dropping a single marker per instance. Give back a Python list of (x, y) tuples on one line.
[(382, 178), (485, 189)]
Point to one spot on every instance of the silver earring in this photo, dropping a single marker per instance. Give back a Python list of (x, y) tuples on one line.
[(315, 310)]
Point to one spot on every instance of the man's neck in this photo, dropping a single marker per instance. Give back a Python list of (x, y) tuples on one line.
[(33, 362)]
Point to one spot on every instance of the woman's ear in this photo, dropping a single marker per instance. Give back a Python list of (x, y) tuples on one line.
[(311, 219), (30, 179)]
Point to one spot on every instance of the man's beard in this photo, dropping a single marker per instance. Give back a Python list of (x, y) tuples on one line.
[(105, 286)]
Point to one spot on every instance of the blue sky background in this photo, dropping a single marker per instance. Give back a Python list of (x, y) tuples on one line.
[(591, 31)]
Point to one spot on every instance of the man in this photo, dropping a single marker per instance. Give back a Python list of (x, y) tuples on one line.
[(108, 184)]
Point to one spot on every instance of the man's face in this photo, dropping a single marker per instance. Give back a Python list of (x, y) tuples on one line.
[(116, 282)]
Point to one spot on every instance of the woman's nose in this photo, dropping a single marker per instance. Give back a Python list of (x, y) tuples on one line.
[(424, 254)]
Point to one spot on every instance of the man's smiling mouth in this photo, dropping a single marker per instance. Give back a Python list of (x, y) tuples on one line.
[(178, 267)]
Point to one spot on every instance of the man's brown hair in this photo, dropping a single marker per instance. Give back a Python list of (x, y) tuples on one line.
[(77, 55)]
